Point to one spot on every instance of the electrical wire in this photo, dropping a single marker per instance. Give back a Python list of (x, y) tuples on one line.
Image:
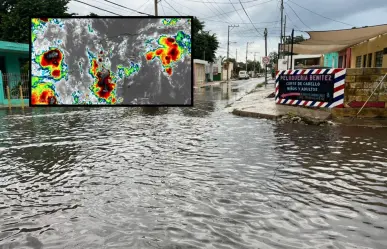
[(144, 4), (241, 9), (249, 18), (319, 14), (139, 12), (162, 6), (172, 7), (251, 1), (236, 11), (298, 16), (291, 20), (97, 7)]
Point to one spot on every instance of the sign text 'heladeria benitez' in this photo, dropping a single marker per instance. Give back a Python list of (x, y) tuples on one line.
[(312, 87)]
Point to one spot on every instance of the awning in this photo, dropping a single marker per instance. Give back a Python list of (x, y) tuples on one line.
[(322, 42), (313, 49), (344, 36)]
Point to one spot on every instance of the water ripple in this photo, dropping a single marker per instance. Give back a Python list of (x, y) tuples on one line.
[(179, 178)]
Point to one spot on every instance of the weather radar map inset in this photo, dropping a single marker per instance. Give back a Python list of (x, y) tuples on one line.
[(125, 61)]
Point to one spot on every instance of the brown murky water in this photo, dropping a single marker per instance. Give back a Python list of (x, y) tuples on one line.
[(188, 178)]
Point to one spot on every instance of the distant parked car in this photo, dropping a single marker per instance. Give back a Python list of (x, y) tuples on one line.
[(243, 75)]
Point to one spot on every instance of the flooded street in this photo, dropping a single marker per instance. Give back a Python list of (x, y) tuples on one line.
[(188, 178)]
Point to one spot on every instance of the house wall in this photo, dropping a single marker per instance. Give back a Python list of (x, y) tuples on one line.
[(199, 74), (371, 46), (12, 64), (331, 60), (10, 75), (346, 54), (359, 85)]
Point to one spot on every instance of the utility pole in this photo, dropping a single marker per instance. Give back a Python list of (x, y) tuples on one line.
[(247, 50), (284, 35), (236, 60), (228, 47), (156, 11), (265, 34), (282, 17)]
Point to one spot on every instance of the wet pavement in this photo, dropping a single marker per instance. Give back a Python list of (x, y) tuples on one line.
[(188, 178)]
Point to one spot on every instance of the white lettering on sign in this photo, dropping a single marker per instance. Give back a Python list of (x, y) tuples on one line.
[(306, 77)]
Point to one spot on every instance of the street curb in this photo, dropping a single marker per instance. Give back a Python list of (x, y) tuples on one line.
[(254, 114)]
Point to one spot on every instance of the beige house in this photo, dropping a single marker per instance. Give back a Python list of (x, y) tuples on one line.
[(199, 72)]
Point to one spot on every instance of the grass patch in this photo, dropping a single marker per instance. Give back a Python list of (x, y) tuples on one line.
[(259, 85)]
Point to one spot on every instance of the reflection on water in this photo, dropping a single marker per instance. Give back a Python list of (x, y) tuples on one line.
[(187, 178)]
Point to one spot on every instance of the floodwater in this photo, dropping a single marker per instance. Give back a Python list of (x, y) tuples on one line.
[(188, 178)]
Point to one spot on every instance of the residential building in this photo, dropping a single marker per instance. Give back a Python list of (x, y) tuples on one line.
[(300, 61), (371, 53), (13, 56), (331, 60), (199, 72)]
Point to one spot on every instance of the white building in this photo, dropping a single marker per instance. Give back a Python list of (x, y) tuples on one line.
[(300, 61)]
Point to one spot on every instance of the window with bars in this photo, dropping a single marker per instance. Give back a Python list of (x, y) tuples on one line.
[(379, 59), (369, 60), (364, 60), (358, 61)]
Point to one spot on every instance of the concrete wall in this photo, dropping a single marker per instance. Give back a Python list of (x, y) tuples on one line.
[(331, 60), (373, 45), (199, 74), (359, 84), (224, 71)]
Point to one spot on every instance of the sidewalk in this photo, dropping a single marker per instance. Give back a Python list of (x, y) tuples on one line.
[(256, 104)]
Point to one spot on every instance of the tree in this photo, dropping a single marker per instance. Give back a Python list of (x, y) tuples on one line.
[(273, 57), (296, 40), (92, 14), (15, 21), (204, 44)]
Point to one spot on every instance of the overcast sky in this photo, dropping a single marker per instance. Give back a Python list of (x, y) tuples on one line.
[(218, 14)]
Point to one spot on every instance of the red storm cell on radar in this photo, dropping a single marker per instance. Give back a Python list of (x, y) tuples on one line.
[(103, 83), (52, 58), (44, 19), (169, 53)]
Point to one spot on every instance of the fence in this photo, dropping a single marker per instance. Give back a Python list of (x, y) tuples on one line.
[(14, 81)]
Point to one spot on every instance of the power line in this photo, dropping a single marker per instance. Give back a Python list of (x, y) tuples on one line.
[(172, 7), (291, 20), (162, 6), (236, 10), (128, 8), (248, 6), (319, 14), (298, 16), (144, 4), (251, 1), (97, 7), (249, 18)]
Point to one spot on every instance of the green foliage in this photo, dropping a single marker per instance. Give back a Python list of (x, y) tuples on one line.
[(25, 68), (204, 44), (273, 57), (15, 21), (296, 40)]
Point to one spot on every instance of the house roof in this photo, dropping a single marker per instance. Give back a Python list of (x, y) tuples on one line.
[(13, 46), (322, 42)]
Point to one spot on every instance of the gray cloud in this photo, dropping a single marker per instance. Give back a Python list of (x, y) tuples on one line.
[(217, 14)]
